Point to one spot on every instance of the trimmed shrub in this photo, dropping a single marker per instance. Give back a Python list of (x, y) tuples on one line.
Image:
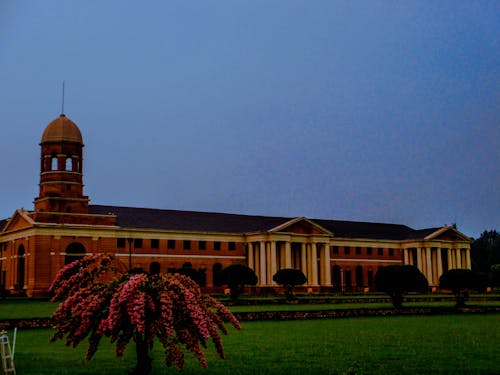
[(289, 278), (397, 280), (461, 282)]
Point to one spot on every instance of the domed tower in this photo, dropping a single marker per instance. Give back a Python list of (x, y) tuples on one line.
[(61, 177)]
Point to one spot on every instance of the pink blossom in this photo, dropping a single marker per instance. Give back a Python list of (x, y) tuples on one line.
[(99, 299)]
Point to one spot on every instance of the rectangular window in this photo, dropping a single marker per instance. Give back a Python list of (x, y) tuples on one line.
[(171, 244), (347, 250), (391, 252), (217, 245), (138, 243), (369, 251), (120, 243), (232, 246), (335, 249), (358, 251), (187, 244), (202, 245), (155, 244), (380, 251)]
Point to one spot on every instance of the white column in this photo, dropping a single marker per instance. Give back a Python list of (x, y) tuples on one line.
[(467, 259), (314, 259), (288, 254), (458, 253), (429, 265), (324, 256), (405, 256), (450, 259), (303, 259), (419, 259), (439, 264), (328, 266), (250, 256), (262, 258), (274, 267)]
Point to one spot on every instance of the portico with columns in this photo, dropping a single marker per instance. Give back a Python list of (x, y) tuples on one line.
[(300, 244), (439, 251)]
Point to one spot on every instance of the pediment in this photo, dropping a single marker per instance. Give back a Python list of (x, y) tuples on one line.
[(301, 225), (448, 234), (19, 220)]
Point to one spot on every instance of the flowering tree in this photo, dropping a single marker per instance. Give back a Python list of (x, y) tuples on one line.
[(99, 298)]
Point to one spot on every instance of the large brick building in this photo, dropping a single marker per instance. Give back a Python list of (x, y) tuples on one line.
[(335, 255)]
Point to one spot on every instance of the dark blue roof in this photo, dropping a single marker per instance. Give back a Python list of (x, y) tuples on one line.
[(132, 217)]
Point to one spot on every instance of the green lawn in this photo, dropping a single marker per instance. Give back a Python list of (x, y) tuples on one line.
[(451, 344)]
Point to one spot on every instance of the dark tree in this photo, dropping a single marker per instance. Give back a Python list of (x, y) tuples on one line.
[(289, 278), (461, 282), (236, 276), (495, 275), (397, 280), (485, 251)]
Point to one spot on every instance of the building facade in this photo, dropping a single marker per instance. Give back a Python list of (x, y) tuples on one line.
[(334, 255)]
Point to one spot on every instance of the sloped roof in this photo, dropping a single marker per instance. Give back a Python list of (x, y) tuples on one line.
[(356, 229), (422, 233), (132, 217), (3, 223)]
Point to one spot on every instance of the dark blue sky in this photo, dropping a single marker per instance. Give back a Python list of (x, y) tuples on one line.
[(371, 110)]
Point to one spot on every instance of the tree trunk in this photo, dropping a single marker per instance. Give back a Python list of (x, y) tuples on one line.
[(144, 365), (461, 297), (289, 292), (397, 300)]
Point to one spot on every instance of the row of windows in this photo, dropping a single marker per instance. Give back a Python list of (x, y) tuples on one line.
[(67, 163), (172, 244), (359, 251)]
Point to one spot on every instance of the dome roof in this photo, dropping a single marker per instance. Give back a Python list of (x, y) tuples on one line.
[(62, 129)]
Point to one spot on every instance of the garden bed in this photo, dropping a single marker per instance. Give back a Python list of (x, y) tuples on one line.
[(299, 314)]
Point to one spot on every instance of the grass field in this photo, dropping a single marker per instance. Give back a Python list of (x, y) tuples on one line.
[(25, 308), (451, 344)]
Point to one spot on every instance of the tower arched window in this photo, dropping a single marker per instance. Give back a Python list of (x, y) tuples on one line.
[(69, 163), (53, 162)]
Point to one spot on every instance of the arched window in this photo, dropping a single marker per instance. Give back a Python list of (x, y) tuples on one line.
[(370, 278), (337, 278), (69, 163), (187, 265), (20, 267), (216, 270), (74, 251), (348, 280), (202, 276), (359, 277), (53, 162), (154, 268)]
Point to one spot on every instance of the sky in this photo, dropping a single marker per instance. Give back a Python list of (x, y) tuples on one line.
[(379, 111)]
